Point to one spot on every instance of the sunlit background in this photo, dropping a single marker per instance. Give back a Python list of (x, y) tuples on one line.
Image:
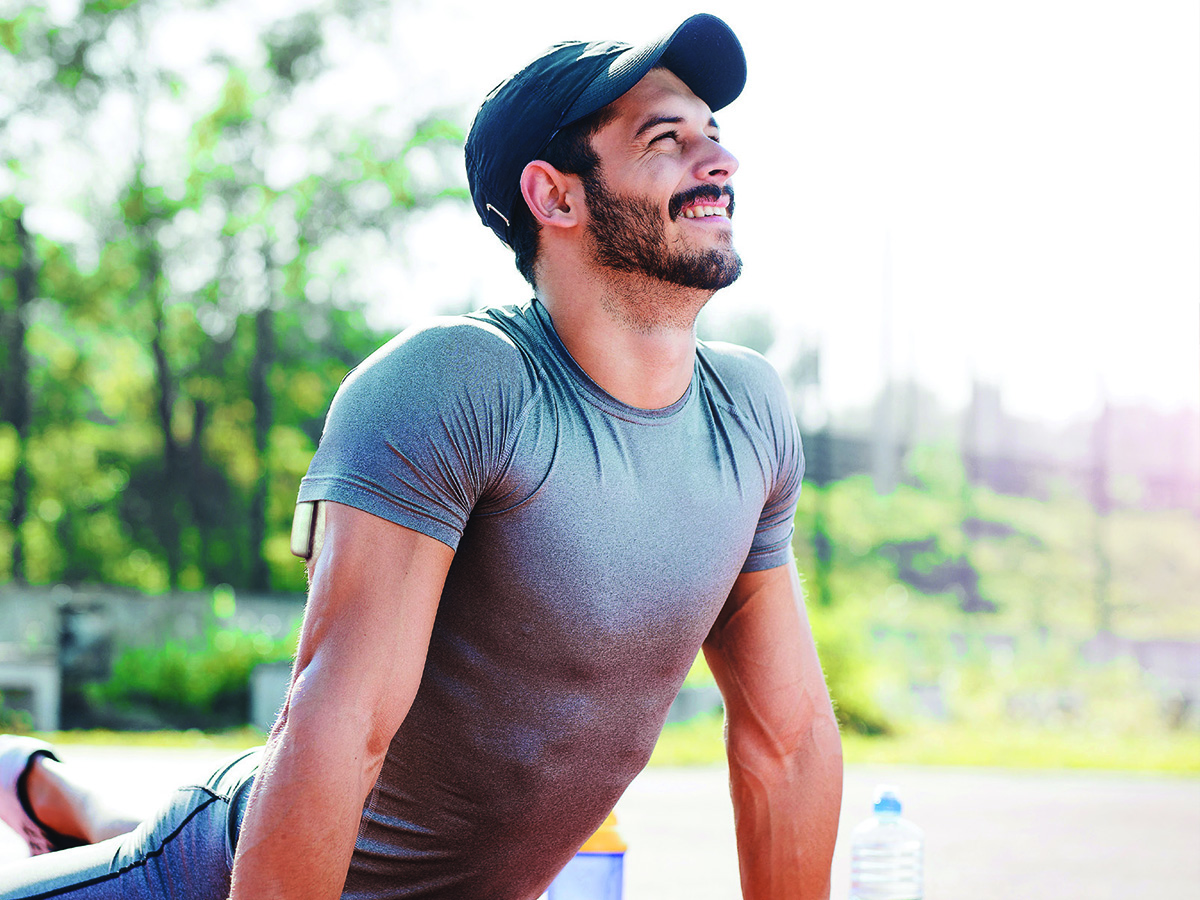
[(936, 190), (971, 238)]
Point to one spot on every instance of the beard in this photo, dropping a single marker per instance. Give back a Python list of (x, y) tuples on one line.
[(629, 236)]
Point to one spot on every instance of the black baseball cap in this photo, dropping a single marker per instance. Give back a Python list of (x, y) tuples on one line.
[(571, 81)]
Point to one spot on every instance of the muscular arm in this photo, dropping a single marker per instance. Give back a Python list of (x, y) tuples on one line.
[(374, 592), (785, 753)]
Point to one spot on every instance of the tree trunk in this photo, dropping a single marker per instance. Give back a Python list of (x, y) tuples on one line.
[(18, 409), (168, 517), (264, 413)]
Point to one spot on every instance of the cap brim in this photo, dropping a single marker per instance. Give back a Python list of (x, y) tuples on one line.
[(703, 51)]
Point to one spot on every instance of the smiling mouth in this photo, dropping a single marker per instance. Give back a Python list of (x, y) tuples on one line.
[(706, 201)]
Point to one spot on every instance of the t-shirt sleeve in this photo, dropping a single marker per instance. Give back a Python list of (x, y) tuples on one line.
[(419, 431), (773, 537)]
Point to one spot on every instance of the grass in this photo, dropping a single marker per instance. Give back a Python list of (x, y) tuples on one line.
[(1175, 753), (236, 739), (699, 742)]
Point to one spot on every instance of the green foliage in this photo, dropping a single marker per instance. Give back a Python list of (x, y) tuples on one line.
[(1046, 685), (11, 29), (952, 605), (14, 721), (167, 371), (916, 556), (854, 675), (202, 683)]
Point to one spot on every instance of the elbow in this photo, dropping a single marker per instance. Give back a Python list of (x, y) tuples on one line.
[(331, 725), (794, 746)]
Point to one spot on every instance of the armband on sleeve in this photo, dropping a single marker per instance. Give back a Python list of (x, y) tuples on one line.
[(308, 528)]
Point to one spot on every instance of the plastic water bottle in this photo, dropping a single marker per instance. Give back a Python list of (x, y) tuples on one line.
[(886, 854), (597, 871)]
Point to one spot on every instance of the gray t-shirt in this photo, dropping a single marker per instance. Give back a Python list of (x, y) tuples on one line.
[(596, 544)]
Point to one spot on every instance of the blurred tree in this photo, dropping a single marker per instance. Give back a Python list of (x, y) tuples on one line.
[(348, 182), (167, 366), (50, 89)]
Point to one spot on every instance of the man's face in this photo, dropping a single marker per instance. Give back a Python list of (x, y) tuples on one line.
[(660, 204)]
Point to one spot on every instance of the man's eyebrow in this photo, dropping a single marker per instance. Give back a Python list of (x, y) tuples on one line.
[(655, 121)]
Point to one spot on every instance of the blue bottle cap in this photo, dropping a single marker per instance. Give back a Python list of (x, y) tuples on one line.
[(887, 802)]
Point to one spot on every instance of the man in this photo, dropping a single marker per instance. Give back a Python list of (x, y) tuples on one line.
[(524, 523)]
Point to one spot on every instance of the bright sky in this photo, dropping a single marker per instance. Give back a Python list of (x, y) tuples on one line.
[(1014, 186)]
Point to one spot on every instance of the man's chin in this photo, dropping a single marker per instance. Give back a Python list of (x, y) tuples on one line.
[(709, 271)]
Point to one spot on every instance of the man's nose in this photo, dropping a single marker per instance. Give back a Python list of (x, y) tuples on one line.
[(715, 163)]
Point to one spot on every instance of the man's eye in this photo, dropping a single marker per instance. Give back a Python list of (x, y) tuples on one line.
[(666, 135)]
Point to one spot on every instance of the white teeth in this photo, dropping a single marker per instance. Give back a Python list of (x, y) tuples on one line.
[(697, 212)]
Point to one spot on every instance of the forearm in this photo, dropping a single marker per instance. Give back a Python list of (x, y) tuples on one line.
[(786, 810), (785, 752), (299, 831)]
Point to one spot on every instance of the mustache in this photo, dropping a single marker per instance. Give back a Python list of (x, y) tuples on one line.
[(699, 192)]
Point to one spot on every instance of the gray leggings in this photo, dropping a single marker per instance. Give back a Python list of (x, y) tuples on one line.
[(185, 850)]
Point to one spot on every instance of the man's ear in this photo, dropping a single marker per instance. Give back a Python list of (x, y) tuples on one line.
[(553, 197)]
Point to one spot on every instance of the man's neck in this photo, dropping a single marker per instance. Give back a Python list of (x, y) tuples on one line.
[(634, 336)]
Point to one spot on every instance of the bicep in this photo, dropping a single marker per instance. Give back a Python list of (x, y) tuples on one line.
[(762, 654), (373, 596)]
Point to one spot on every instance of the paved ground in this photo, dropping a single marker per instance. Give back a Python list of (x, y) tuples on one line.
[(990, 834)]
